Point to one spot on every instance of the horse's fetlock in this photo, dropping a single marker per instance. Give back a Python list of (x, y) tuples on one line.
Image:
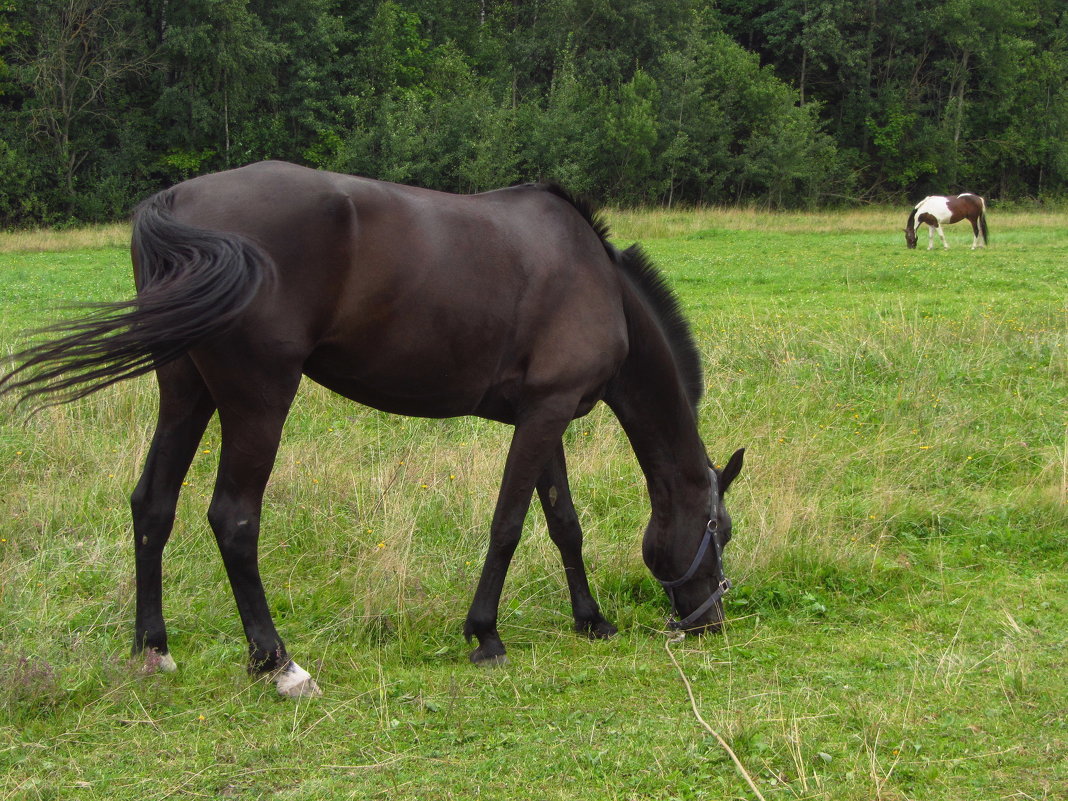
[(261, 661)]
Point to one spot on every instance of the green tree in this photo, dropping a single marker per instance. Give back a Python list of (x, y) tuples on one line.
[(628, 149), (221, 65), (74, 55), (563, 135)]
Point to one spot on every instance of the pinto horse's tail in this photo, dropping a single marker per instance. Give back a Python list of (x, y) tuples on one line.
[(982, 222), (192, 284)]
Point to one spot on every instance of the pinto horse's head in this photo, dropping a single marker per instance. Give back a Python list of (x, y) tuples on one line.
[(910, 231), (697, 591)]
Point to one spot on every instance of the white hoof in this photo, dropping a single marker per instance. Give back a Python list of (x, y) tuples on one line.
[(167, 664), (293, 681), (155, 662)]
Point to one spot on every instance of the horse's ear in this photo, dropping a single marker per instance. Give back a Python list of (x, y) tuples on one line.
[(731, 471)]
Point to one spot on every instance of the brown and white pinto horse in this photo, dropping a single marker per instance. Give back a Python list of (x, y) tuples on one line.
[(937, 209)]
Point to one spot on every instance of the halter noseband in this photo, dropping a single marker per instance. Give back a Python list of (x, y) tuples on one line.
[(710, 536)]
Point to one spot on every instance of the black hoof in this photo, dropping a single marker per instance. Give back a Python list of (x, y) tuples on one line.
[(489, 656), (596, 629)]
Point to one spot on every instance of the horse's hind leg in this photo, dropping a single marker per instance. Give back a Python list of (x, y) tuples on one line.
[(564, 529), (185, 406), (251, 424)]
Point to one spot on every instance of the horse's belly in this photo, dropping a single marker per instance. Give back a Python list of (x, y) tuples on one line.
[(414, 384)]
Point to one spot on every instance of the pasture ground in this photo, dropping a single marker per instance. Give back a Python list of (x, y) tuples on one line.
[(899, 628)]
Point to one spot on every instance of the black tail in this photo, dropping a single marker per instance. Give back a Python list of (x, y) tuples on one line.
[(982, 226), (192, 284)]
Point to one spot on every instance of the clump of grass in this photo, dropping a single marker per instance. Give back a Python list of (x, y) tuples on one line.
[(28, 685), (52, 240), (643, 224)]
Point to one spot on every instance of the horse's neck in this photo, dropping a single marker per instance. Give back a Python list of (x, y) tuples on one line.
[(649, 398)]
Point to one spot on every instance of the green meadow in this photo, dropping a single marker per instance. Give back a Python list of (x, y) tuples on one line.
[(898, 628)]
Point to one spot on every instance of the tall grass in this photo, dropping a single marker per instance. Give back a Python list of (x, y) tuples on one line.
[(52, 240), (900, 553), (643, 224)]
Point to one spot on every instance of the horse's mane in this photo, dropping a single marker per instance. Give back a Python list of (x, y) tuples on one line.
[(664, 303), (590, 213), (911, 224), (653, 288)]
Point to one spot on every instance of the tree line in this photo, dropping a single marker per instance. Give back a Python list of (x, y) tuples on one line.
[(776, 102)]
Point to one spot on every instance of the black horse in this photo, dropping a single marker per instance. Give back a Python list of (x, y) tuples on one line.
[(510, 305)]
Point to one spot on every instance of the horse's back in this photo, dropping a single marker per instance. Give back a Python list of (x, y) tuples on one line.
[(950, 208), (417, 301)]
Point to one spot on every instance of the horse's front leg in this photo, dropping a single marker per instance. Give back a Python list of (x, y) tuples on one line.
[(565, 531), (251, 430), (531, 448)]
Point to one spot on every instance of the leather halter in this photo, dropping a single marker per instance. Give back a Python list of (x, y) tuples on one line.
[(711, 536)]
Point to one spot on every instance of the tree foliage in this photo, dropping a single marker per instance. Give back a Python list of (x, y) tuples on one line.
[(779, 102)]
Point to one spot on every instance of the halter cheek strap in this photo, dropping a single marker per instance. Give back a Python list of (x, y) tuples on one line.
[(721, 589)]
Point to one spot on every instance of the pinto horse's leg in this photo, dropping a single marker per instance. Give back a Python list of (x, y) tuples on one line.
[(185, 406), (532, 447), (564, 529), (251, 429), (975, 232), (942, 233)]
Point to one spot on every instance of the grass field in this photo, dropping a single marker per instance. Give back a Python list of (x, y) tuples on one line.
[(899, 627)]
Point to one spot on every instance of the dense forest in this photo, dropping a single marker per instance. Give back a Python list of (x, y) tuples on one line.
[(776, 102)]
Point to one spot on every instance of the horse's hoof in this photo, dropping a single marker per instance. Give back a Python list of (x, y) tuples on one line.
[(155, 662), (597, 630), (486, 658), (293, 681)]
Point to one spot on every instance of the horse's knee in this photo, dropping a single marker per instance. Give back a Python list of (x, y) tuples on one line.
[(504, 539), (564, 526), (152, 520), (236, 528)]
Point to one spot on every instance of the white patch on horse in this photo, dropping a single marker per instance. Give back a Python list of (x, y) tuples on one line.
[(293, 681), (935, 205), (938, 208)]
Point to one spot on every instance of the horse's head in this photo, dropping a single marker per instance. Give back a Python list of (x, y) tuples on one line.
[(910, 238), (699, 581)]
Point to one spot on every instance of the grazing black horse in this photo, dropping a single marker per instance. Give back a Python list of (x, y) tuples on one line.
[(510, 305)]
